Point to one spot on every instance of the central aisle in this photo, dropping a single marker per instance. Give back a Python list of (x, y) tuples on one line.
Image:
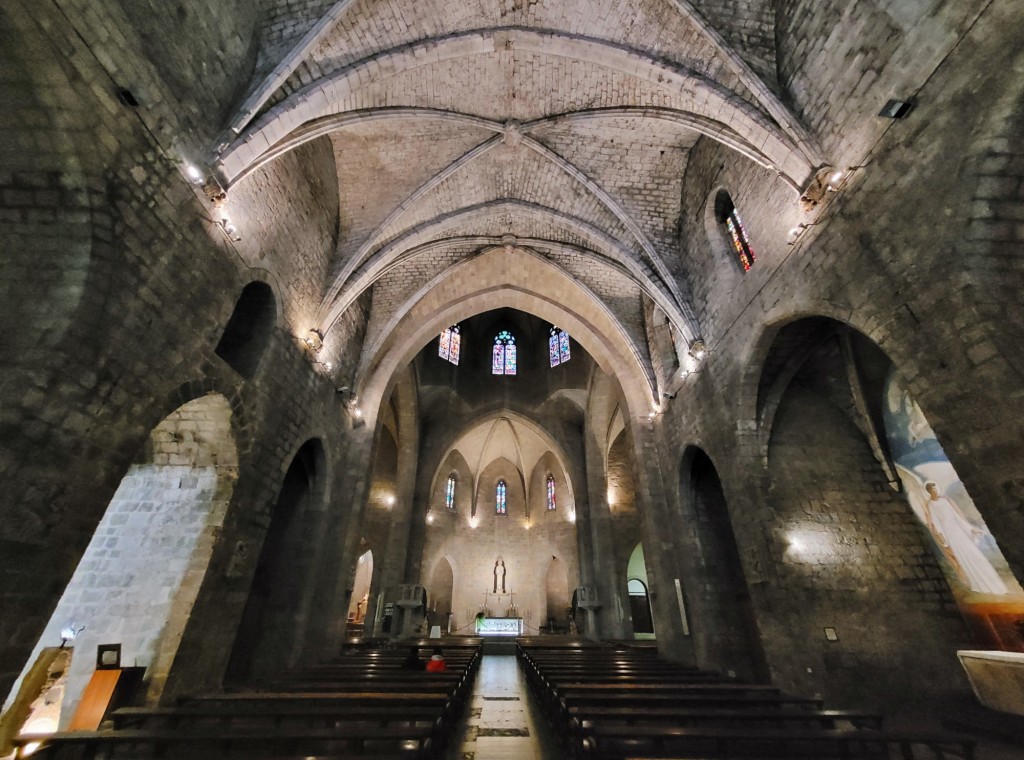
[(502, 722)]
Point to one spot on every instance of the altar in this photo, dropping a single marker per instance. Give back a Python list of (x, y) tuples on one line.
[(499, 626)]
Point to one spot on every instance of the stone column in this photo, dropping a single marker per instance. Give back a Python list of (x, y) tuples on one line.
[(339, 549), (661, 551), (609, 622)]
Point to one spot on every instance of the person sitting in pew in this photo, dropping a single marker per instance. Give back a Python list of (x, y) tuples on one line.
[(436, 664), (412, 660)]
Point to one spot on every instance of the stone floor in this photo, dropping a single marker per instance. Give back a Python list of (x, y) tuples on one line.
[(502, 722)]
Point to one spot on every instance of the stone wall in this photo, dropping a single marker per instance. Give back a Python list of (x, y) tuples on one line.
[(887, 259), (140, 299), (139, 576)]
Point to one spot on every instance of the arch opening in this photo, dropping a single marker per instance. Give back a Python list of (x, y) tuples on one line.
[(249, 329), (639, 599), (268, 636), (846, 543), (360, 599), (139, 577)]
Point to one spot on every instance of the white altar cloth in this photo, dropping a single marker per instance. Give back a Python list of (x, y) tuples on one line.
[(499, 627)]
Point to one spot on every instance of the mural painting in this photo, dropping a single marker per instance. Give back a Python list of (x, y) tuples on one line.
[(982, 583)]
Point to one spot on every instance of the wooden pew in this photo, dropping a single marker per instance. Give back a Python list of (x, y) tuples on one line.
[(615, 741), (342, 741), (364, 706)]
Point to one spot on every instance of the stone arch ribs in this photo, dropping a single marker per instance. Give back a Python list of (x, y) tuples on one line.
[(765, 97), (520, 465), (262, 92), (566, 167), (705, 98), (398, 249), (512, 418), (520, 280), (793, 166)]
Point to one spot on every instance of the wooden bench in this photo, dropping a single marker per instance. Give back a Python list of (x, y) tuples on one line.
[(729, 715), (613, 741), (346, 740), (364, 706)]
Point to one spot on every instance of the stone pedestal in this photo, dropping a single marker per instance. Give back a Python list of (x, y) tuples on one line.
[(997, 678)]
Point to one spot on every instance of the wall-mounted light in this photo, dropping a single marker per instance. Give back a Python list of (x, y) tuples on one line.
[(473, 521), (794, 234), (697, 349), (314, 340), (195, 174), (390, 500), (572, 515), (430, 517), (70, 633)]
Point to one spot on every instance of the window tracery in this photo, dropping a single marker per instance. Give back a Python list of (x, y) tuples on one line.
[(725, 211), (503, 356), (558, 347), (500, 505), (450, 345), (449, 493)]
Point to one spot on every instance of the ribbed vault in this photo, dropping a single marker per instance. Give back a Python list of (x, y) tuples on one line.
[(565, 128)]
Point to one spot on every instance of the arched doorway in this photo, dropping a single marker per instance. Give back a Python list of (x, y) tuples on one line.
[(848, 552), (725, 635), (139, 577), (639, 599), (360, 598), (267, 636), (556, 584)]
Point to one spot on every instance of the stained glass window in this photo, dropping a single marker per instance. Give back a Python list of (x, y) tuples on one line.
[(503, 356), (558, 347), (449, 493), (500, 506), (730, 217), (551, 491), (450, 344)]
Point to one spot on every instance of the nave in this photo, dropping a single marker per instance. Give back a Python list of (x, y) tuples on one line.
[(556, 698)]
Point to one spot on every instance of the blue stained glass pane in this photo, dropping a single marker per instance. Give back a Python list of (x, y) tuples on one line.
[(498, 361), (563, 345), (449, 494), (510, 358), (456, 344), (443, 347), (499, 498), (553, 350)]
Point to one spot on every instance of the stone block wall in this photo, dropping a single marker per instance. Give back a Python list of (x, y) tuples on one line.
[(895, 261), (128, 337)]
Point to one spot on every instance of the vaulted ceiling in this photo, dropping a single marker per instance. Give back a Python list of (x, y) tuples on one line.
[(560, 127)]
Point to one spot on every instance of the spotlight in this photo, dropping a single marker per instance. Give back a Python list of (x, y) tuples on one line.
[(194, 174), (697, 349), (314, 340)]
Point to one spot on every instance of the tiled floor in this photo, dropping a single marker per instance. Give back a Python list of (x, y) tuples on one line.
[(502, 723)]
